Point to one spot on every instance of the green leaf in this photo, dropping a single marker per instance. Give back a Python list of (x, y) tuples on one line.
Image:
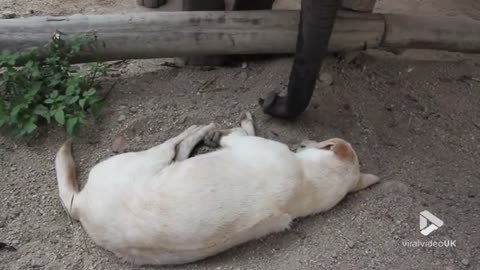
[(60, 117), (71, 89), (42, 111), (54, 94), (49, 101), (90, 92), (20, 132), (81, 119), (15, 111), (8, 58), (60, 98), (72, 100), (34, 89), (30, 127), (82, 103), (71, 125), (55, 80)]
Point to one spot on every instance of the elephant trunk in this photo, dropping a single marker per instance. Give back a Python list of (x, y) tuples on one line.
[(316, 24)]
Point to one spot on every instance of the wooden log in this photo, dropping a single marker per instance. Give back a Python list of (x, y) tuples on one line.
[(170, 34), (357, 31), (287, 5), (359, 5), (441, 33)]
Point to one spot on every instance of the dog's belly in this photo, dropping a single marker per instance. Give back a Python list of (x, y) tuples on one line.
[(193, 209)]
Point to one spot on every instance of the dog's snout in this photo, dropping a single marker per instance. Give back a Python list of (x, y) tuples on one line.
[(303, 145)]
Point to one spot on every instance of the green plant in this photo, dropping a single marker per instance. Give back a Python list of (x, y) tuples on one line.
[(48, 88)]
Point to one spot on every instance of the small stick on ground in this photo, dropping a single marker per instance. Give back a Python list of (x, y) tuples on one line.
[(171, 65), (218, 89), (206, 84), (475, 124)]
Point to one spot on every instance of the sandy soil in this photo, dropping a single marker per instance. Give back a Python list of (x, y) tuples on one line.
[(414, 123)]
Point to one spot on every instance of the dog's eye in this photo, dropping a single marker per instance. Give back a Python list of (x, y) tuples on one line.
[(302, 146), (327, 147)]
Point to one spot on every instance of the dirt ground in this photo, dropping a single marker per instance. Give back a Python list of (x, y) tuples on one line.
[(415, 123)]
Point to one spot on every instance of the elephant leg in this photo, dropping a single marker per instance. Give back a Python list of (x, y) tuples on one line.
[(151, 3), (252, 5), (204, 5), (316, 24), (199, 5)]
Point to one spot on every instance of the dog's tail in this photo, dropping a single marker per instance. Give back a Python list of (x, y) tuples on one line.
[(67, 179)]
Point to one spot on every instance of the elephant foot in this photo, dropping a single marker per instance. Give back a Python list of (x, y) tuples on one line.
[(151, 3), (276, 106)]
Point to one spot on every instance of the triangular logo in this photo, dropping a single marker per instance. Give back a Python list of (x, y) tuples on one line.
[(429, 223)]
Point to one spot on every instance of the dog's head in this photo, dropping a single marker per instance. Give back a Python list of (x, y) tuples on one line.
[(343, 157)]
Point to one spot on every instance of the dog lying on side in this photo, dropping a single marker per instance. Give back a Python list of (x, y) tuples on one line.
[(161, 207)]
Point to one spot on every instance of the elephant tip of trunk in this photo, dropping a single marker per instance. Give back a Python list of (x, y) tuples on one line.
[(277, 106)]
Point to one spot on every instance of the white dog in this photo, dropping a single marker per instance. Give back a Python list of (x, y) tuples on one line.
[(161, 207)]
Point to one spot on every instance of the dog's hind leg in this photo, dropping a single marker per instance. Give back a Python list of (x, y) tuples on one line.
[(184, 149), (164, 154), (246, 122), (213, 138)]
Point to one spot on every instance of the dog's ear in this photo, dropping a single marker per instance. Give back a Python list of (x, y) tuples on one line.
[(340, 147), (365, 181), (326, 145)]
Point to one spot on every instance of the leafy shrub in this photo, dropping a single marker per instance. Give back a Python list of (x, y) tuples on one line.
[(48, 89)]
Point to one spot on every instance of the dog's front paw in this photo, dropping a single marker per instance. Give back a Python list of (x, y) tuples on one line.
[(246, 117), (212, 139)]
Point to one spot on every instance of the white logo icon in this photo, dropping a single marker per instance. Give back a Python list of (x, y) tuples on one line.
[(429, 222)]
